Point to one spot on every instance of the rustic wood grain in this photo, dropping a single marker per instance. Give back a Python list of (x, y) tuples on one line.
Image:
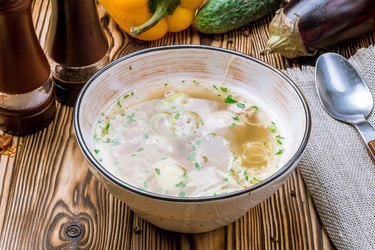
[(50, 200)]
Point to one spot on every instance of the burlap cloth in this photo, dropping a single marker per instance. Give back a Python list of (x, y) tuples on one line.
[(336, 166)]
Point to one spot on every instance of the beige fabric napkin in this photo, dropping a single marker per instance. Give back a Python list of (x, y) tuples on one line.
[(336, 166)]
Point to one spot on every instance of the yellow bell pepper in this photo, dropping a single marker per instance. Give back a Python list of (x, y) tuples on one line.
[(151, 19)]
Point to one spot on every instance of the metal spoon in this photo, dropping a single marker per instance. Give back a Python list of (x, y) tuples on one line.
[(345, 95)]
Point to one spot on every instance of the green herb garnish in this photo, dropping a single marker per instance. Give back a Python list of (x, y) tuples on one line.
[(241, 105), (232, 125), (229, 99), (105, 130), (157, 170), (182, 194), (131, 117), (236, 118), (280, 152), (255, 107), (197, 165), (96, 151), (224, 89), (145, 136), (254, 180), (177, 116), (245, 175), (215, 87), (272, 127), (192, 156), (279, 139), (119, 104), (180, 184)]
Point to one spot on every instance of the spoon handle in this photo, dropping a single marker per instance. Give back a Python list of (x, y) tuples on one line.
[(367, 132)]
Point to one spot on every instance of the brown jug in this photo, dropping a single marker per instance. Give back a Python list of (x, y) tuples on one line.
[(76, 46), (26, 90)]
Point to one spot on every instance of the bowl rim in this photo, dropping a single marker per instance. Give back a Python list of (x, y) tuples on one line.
[(122, 184)]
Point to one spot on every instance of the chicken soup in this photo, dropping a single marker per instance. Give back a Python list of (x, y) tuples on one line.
[(188, 139)]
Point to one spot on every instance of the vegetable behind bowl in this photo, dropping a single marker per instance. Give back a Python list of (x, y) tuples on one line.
[(151, 19), (220, 16), (303, 26)]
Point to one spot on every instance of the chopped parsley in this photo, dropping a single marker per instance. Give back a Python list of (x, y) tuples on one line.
[(197, 165), (254, 180), (119, 104), (96, 151), (145, 136), (215, 87), (279, 139), (230, 100), (256, 108), (280, 152), (192, 156), (127, 95), (195, 82), (177, 116), (157, 170), (131, 117), (272, 127), (241, 105), (224, 89), (225, 179), (140, 149), (236, 118), (232, 125), (245, 175), (180, 184), (105, 129), (182, 194)]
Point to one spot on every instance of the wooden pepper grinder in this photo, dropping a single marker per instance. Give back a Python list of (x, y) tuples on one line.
[(26, 90), (76, 46)]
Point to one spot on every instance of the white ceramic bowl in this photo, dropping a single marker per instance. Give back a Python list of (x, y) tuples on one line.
[(271, 88)]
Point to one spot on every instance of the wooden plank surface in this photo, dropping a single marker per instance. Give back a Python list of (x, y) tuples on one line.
[(50, 200)]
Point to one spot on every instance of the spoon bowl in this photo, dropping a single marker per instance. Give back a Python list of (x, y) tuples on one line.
[(345, 95)]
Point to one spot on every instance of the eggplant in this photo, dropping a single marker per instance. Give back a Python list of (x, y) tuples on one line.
[(303, 26)]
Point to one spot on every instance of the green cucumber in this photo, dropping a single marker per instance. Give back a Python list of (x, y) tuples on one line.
[(220, 16)]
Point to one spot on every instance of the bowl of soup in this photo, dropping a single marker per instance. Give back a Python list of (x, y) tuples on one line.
[(191, 137)]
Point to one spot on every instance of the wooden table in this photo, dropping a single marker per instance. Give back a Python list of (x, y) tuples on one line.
[(50, 200)]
